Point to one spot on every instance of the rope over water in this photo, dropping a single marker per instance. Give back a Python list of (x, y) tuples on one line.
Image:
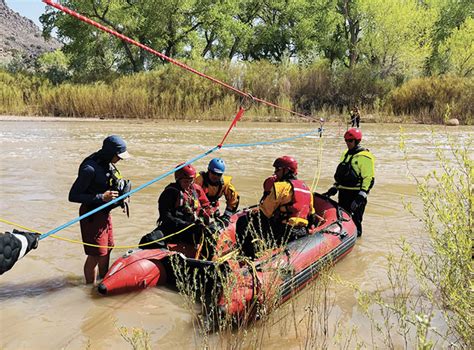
[(245, 96), (169, 59)]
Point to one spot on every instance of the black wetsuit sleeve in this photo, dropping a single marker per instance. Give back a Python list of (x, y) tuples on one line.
[(13, 246), (79, 190), (170, 219)]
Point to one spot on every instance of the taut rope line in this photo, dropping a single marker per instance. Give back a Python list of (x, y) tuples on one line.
[(169, 59)]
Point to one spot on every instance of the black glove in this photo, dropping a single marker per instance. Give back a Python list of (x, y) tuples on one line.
[(155, 236), (359, 200), (13, 246), (225, 218), (331, 192), (200, 223)]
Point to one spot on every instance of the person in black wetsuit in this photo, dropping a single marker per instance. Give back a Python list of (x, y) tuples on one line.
[(97, 183), (15, 245), (183, 205)]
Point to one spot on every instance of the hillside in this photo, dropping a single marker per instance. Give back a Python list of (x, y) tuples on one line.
[(20, 35)]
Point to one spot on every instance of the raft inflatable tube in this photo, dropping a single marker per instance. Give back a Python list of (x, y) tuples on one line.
[(279, 273)]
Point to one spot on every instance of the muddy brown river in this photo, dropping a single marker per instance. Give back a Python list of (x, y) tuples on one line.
[(43, 300)]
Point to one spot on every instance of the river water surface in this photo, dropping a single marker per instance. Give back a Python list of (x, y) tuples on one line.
[(44, 303)]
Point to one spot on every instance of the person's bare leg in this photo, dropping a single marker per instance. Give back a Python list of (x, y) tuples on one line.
[(103, 262), (90, 269)]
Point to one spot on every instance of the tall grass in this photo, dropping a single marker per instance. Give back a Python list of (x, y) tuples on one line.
[(170, 92)]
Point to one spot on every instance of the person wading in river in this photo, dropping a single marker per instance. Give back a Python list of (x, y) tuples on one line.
[(355, 116), (355, 176), (99, 182)]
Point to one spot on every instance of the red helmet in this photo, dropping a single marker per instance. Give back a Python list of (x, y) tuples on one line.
[(353, 134), (286, 162), (186, 172)]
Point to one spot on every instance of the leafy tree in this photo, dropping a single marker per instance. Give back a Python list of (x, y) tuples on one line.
[(451, 16), (459, 49), (54, 66), (93, 54), (349, 29), (396, 36)]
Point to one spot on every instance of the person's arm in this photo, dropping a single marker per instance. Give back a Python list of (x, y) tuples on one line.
[(271, 202), (367, 172), (205, 212), (232, 197), (167, 210), (78, 192), (13, 246)]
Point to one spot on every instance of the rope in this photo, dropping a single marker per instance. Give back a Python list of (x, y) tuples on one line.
[(69, 223), (96, 245), (317, 173), (105, 205), (239, 115), (286, 139), (164, 57)]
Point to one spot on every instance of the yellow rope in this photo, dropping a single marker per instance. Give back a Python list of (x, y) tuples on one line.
[(95, 245), (228, 256), (317, 173)]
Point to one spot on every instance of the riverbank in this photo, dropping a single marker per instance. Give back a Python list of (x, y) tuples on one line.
[(331, 119), (166, 93)]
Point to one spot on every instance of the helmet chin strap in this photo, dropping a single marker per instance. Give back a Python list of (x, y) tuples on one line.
[(288, 175)]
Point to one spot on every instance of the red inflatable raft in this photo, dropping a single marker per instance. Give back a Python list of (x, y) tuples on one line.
[(279, 273)]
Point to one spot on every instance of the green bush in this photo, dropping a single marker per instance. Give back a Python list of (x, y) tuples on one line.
[(431, 98)]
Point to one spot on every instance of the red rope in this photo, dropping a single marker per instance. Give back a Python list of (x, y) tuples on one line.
[(162, 56), (239, 115)]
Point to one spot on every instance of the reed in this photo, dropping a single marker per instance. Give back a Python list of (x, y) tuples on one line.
[(168, 92)]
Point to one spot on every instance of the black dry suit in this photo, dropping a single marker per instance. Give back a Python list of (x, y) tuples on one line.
[(354, 178), (97, 175)]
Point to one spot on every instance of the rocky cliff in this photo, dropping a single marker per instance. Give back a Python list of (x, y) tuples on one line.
[(20, 35)]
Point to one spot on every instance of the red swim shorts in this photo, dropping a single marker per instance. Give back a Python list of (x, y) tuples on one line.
[(96, 229)]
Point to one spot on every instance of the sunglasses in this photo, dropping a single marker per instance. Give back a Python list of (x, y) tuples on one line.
[(350, 140), (215, 174)]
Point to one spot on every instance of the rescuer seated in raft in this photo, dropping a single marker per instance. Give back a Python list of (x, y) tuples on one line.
[(182, 203), (13, 246), (215, 184), (283, 215)]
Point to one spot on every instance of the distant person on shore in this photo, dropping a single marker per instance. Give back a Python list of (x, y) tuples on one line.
[(355, 117), (355, 176), (99, 182), (215, 184)]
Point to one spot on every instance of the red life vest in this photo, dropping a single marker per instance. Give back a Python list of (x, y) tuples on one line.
[(192, 201), (300, 205)]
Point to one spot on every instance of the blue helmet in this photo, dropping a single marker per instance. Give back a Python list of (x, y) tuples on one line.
[(216, 165)]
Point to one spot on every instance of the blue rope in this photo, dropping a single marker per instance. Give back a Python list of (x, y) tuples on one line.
[(67, 224), (128, 194), (286, 139)]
